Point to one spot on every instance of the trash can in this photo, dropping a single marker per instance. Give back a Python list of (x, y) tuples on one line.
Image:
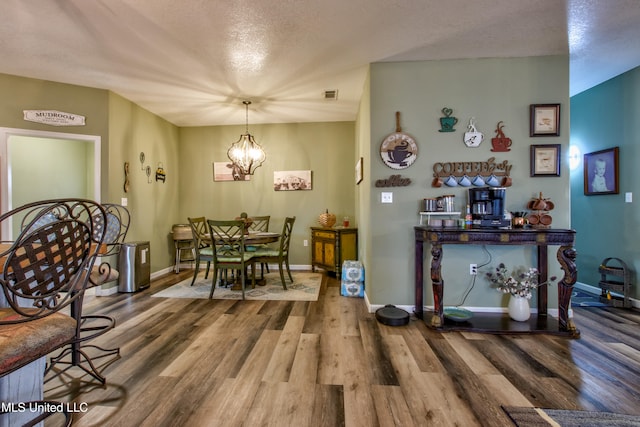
[(134, 267)]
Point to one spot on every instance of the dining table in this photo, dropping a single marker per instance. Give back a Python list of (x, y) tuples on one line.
[(254, 238)]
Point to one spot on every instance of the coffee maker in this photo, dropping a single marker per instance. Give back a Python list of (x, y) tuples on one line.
[(487, 207)]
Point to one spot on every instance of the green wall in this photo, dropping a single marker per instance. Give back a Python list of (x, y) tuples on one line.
[(327, 149), (603, 117), (491, 90)]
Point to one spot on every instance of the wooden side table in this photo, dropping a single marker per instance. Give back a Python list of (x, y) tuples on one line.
[(330, 247)]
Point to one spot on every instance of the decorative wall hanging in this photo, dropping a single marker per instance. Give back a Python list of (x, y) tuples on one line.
[(447, 122), (500, 142), (227, 171), (292, 180), (398, 150), (142, 160), (394, 181), (472, 138), (601, 172), (148, 172), (53, 117), (126, 177), (544, 120), (160, 175), (545, 160), (468, 174)]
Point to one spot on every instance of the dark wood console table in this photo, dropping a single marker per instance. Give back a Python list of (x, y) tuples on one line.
[(492, 322)]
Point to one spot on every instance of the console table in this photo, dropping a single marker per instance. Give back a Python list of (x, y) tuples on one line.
[(498, 322)]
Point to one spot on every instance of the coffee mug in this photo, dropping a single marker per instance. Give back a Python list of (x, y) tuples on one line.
[(465, 181), (478, 181), (451, 181), (493, 181)]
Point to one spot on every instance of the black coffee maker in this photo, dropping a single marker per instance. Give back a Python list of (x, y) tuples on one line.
[(487, 207)]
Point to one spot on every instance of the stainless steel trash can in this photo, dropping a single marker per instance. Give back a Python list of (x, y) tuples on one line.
[(134, 266)]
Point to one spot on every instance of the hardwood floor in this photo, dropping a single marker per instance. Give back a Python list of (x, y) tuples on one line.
[(330, 363)]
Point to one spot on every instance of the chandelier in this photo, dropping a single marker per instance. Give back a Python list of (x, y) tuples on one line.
[(246, 153)]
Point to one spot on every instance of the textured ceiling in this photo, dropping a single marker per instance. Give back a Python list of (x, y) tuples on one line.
[(193, 62)]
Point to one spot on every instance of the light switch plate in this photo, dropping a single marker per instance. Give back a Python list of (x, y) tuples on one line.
[(123, 201), (386, 197), (628, 197)]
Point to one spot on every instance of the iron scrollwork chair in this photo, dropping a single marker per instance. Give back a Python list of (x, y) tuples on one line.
[(228, 237), (45, 270), (114, 228), (280, 255), (203, 249)]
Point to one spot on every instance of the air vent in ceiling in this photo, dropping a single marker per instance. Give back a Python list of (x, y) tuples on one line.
[(331, 95)]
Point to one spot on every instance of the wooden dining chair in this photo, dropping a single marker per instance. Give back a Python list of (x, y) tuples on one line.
[(281, 254), (203, 249), (230, 252)]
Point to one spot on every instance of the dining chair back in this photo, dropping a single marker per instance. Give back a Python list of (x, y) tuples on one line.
[(203, 250), (260, 223), (230, 253), (281, 254)]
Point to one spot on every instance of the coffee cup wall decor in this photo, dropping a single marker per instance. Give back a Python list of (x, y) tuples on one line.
[(447, 122), (472, 138), (500, 142)]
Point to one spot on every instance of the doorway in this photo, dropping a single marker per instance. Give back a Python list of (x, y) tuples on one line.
[(38, 165)]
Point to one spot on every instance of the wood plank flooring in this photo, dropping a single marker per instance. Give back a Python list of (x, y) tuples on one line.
[(330, 363)]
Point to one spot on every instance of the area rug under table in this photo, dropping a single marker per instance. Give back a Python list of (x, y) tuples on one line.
[(305, 287), (537, 417)]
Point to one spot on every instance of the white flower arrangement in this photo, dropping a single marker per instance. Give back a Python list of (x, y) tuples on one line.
[(516, 283)]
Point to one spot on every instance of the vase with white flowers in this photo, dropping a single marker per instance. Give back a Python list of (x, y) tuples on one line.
[(519, 284)]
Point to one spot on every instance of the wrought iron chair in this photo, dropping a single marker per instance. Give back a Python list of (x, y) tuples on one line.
[(44, 271), (230, 252), (280, 255), (203, 250)]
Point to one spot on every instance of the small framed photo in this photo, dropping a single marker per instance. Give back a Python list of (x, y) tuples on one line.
[(545, 120), (292, 180), (545, 160), (359, 175), (601, 172)]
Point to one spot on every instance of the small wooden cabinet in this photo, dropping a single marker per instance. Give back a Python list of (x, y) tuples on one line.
[(331, 246)]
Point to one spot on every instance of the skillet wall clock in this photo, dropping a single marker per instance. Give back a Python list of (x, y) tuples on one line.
[(398, 150)]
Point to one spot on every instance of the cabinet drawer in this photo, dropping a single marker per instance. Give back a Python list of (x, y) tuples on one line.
[(324, 234)]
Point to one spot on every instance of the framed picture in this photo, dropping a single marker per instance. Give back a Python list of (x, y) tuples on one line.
[(545, 120), (291, 180), (227, 171), (601, 172), (359, 171), (545, 160)]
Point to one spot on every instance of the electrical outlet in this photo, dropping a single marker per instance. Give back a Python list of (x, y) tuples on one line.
[(473, 269), (305, 242)]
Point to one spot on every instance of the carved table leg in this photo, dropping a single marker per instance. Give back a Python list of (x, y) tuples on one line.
[(419, 285), (438, 286), (566, 257)]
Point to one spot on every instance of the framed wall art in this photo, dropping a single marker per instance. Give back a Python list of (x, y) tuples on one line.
[(545, 120), (545, 160), (292, 180), (601, 172), (227, 171)]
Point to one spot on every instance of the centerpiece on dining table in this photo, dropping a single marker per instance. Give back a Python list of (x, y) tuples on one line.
[(247, 221), (519, 284)]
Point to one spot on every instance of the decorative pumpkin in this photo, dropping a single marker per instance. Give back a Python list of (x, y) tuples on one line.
[(327, 219)]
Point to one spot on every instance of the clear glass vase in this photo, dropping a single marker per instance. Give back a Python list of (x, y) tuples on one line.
[(519, 308)]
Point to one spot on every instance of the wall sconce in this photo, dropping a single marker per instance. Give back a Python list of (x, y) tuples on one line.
[(574, 157)]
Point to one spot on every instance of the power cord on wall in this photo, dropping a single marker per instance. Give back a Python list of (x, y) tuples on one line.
[(473, 279)]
